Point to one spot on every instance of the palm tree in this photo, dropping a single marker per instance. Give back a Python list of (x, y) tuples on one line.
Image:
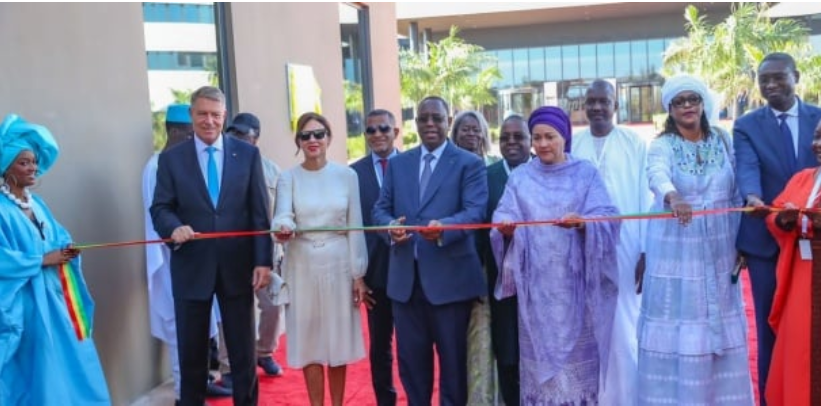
[(459, 72), (727, 54)]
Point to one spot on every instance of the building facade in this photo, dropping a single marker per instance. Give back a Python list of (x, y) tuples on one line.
[(548, 53)]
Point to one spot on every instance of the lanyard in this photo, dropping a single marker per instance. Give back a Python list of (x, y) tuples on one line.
[(813, 195)]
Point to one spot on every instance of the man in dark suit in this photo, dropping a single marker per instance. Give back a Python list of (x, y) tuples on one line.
[(514, 143), (434, 275), (771, 143), (380, 133), (212, 183)]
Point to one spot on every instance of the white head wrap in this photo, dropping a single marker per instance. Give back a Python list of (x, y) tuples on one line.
[(684, 83)]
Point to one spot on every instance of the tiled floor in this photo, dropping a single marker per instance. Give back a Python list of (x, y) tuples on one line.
[(162, 395)]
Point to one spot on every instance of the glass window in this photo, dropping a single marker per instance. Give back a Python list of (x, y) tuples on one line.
[(493, 61), (553, 63), (355, 67), (196, 60), (655, 55), (638, 65), (166, 60), (587, 61), (206, 15), (604, 60), (570, 62), (621, 51), (505, 67), (175, 12), (187, 70), (536, 57), (521, 70)]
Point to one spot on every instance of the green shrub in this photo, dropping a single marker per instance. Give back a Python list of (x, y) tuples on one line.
[(357, 148), (410, 138)]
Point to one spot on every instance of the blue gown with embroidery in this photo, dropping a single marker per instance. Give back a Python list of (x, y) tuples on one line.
[(41, 360)]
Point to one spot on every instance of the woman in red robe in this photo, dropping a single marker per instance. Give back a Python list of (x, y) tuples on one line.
[(791, 315)]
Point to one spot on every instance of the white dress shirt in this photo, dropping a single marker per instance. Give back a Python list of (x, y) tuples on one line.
[(792, 122), (202, 157)]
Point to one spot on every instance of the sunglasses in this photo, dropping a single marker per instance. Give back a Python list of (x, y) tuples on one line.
[(693, 100), (383, 128), (317, 134), (435, 117)]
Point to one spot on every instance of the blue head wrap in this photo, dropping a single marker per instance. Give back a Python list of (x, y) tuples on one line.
[(554, 117), (16, 136), (178, 113)]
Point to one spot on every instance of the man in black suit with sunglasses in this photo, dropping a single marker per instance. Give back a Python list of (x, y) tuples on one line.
[(380, 134)]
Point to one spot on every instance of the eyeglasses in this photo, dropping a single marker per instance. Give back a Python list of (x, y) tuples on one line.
[(435, 117), (693, 100), (317, 134), (383, 128)]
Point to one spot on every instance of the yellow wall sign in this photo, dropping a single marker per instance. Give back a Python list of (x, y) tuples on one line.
[(304, 94)]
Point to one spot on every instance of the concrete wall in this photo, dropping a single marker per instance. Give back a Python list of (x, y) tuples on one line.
[(305, 34), (384, 51), (80, 70)]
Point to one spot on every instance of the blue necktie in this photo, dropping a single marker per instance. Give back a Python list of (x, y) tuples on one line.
[(787, 134), (213, 177), (426, 171)]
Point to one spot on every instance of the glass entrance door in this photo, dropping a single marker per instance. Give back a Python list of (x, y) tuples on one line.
[(640, 103)]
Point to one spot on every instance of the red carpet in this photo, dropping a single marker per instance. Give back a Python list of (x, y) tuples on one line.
[(289, 390)]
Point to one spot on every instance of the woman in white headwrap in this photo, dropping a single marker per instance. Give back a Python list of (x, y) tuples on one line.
[(692, 331), (47, 355)]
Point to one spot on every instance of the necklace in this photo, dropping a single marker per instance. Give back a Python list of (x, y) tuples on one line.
[(25, 205)]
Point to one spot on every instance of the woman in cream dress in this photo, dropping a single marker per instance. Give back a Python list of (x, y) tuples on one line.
[(322, 269)]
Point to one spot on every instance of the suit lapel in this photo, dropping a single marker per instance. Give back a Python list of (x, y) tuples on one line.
[(806, 131), (369, 169), (442, 169), (772, 135), (229, 168), (414, 169)]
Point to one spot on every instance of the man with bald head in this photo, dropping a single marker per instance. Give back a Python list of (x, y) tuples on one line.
[(619, 154)]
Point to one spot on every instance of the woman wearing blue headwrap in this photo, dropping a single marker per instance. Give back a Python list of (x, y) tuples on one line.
[(46, 357), (565, 277), (692, 331)]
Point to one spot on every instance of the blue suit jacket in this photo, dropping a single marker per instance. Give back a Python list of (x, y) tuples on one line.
[(449, 271), (378, 248), (181, 198), (763, 169)]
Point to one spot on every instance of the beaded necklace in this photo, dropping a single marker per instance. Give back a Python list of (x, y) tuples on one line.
[(25, 205)]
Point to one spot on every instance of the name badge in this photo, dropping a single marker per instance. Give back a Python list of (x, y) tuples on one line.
[(805, 249)]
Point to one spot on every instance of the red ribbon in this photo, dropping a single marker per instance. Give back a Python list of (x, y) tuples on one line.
[(477, 226)]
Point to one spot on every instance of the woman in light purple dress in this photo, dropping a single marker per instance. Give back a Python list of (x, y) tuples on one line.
[(565, 276)]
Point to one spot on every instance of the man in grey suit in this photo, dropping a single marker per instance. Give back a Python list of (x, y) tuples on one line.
[(434, 275), (212, 183), (771, 143)]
